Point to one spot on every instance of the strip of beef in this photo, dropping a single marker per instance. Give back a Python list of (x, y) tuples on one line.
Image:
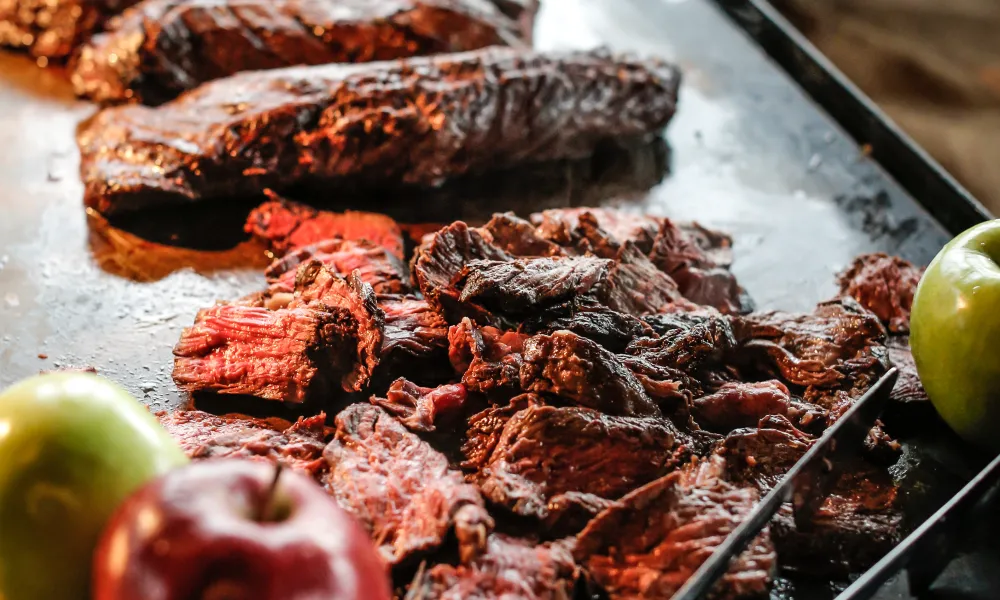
[(546, 451), (284, 225), (400, 489), (415, 344), (637, 287), (908, 387), (160, 48), (418, 121), (741, 404), (486, 427), (611, 329), (206, 436), (511, 568), (422, 409), (761, 455), (647, 544), (442, 257), (519, 237), (577, 369), (375, 265), (273, 354), (489, 360), (54, 28), (360, 322), (884, 285)]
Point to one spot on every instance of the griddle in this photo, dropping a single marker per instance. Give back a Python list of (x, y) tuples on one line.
[(752, 151)]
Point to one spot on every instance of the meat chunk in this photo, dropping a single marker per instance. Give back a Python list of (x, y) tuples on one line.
[(278, 355), (284, 225), (649, 543), (423, 120), (908, 387), (561, 225), (884, 285), (421, 409), (415, 345), (519, 237), (577, 369), (545, 451), (161, 48), (741, 404), (611, 329), (761, 455), (203, 436), (360, 322), (375, 265), (54, 28), (486, 427), (637, 287), (488, 359), (400, 489), (510, 568)]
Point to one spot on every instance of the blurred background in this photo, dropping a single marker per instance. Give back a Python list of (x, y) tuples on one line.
[(933, 66)]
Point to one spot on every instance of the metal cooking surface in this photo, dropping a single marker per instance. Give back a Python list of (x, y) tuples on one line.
[(749, 154)]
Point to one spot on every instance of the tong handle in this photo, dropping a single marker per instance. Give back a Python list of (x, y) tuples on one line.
[(929, 549)]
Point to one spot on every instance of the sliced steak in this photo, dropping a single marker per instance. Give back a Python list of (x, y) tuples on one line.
[(374, 264), (519, 237), (486, 427), (761, 455), (401, 489), (611, 329), (908, 387), (511, 568), (577, 369), (488, 360), (741, 404), (278, 355), (421, 409), (647, 544), (417, 121), (545, 451), (206, 436), (415, 344), (285, 225), (161, 48), (884, 285), (637, 287)]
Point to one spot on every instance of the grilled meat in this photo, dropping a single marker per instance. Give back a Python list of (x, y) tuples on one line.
[(160, 48), (415, 343), (54, 28), (418, 122), (908, 387), (421, 409), (884, 285), (374, 264)]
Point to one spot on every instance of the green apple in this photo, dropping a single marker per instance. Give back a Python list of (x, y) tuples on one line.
[(73, 446), (955, 333)]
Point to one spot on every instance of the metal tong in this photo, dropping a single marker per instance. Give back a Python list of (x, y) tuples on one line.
[(928, 550), (806, 485)]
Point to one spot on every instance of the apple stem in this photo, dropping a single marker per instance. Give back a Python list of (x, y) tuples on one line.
[(266, 505)]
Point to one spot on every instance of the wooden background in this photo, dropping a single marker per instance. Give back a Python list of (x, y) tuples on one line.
[(933, 65)]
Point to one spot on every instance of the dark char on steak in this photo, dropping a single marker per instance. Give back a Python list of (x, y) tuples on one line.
[(160, 48), (418, 121)]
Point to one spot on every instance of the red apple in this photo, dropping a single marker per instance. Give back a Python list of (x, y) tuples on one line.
[(235, 530)]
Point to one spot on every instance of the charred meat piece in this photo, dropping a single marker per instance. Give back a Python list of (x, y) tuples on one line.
[(278, 355), (284, 225), (376, 266), (741, 404), (510, 568), (637, 287), (401, 489), (908, 387), (761, 455), (545, 451), (562, 226), (488, 359), (519, 237), (360, 322), (609, 328), (486, 427), (54, 28), (569, 513), (416, 122), (415, 344), (884, 285), (160, 48), (577, 369), (647, 544), (202, 436), (421, 409)]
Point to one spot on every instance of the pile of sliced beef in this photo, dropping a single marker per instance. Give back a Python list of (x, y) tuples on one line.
[(584, 400)]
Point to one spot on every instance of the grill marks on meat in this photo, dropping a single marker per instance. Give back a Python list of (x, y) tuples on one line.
[(401, 489), (276, 355), (284, 225), (205, 436), (884, 285), (417, 122), (161, 48), (647, 544), (54, 28), (545, 451), (510, 568), (374, 264), (577, 369), (421, 409)]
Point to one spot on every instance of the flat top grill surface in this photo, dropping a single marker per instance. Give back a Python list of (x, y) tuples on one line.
[(748, 153)]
